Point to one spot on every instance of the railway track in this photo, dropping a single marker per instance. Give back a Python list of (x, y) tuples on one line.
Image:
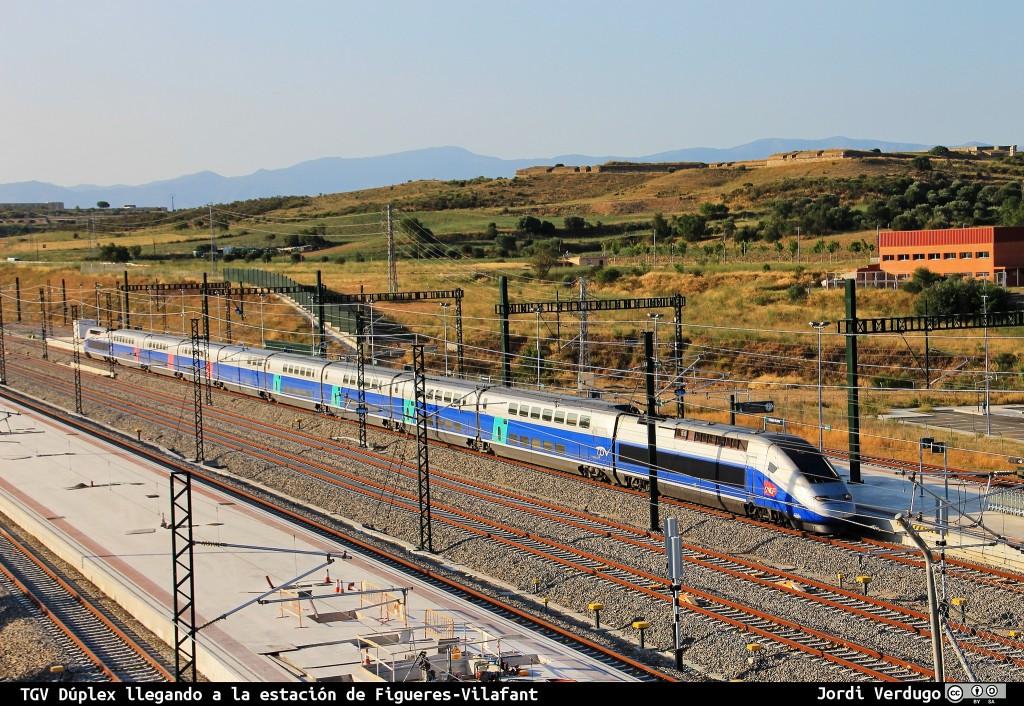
[(102, 646), (983, 575), (830, 647)]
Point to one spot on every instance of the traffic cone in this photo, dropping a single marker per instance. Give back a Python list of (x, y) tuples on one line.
[(327, 581), (337, 586)]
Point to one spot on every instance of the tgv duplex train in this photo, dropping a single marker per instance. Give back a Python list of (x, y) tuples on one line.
[(771, 476)]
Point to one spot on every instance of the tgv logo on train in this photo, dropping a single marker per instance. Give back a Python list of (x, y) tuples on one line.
[(767, 475)]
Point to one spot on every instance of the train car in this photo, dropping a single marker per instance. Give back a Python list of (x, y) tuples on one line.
[(773, 477), (766, 475), (452, 408), (241, 369), (567, 433), (383, 405), (296, 379)]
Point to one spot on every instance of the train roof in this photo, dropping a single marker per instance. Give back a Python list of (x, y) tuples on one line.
[(554, 399)]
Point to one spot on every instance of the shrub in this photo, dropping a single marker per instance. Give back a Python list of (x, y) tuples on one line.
[(607, 275), (797, 293)]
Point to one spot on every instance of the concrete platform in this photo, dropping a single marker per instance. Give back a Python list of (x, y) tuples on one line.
[(352, 619), (974, 524)]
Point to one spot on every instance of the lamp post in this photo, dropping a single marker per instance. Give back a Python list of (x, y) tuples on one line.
[(444, 313), (988, 410), (655, 317), (263, 335), (373, 360), (819, 325), (537, 310)]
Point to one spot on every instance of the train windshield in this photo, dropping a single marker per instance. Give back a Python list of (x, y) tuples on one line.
[(812, 464)]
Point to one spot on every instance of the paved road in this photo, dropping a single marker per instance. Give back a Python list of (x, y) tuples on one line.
[(1004, 420)]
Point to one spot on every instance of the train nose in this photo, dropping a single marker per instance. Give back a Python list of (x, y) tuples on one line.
[(839, 507)]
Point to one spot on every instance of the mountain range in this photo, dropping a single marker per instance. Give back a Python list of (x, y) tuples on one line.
[(340, 174)]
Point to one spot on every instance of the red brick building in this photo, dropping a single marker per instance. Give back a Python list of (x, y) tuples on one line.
[(995, 253)]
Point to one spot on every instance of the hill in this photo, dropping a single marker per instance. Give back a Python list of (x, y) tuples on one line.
[(337, 174)]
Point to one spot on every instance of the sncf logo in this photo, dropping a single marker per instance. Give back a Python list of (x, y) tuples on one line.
[(770, 491)]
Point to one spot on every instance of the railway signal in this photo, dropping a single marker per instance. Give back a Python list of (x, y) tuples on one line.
[(765, 407)]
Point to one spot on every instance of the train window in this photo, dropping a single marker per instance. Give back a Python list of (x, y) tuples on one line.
[(559, 417), (571, 419), (546, 415), (513, 409), (535, 443), (524, 411), (458, 426), (560, 448), (524, 441), (534, 412), (683, 434), (513, 438), (548, 446), (448, 397), (584, 422), (813, 465)]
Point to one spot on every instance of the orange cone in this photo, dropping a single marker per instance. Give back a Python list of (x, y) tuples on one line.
[(337, 586), (328, 579)]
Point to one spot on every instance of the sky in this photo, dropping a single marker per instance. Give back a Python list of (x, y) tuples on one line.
[(132, 91)]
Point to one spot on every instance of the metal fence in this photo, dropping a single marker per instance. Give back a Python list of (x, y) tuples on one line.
[(340, 316), (1010, 501)]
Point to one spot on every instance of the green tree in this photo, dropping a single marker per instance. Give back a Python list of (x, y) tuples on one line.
[(416, 230), (920, 280), (1011, 212), (544, 257), (574, 224), (691, 227), (114, 253), (660, 226), (102, 204), (955, 295), (530, 224)]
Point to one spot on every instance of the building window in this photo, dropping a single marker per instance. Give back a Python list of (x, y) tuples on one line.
[(981, 275), (949, 256), (903, 257), (919, 256), (966, 256), (981, 254), (933, 256), (887, 258)]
